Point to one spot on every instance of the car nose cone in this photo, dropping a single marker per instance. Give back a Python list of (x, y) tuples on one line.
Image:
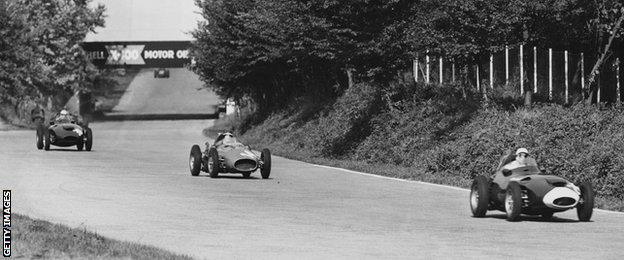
[(561, 198), (245, 165)]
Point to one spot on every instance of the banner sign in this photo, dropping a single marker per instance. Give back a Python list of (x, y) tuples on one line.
[(166, 54)]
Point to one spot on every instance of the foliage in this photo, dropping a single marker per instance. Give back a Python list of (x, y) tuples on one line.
[(40, 53)]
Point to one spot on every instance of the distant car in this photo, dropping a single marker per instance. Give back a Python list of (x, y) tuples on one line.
[(161, 73), (227, 155), (64, 133), (525, 190)]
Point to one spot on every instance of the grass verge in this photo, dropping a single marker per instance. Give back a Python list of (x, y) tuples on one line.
[(34, 238)]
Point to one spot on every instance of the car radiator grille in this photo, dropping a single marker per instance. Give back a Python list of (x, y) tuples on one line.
[(245, 165)]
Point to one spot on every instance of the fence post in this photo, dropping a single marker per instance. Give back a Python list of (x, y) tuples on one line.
[(617, 78), (582, 71), (550, 76), (566, 76), (415, 67), (453, 71), (521, 69), (506, 65), (441, 71), (427, 61), (478, 81), (491, 71), (534, 69)]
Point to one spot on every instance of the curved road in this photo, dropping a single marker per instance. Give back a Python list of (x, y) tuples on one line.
[(135, 186)]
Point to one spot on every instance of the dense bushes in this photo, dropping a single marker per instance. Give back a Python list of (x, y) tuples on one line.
[(448, 131)]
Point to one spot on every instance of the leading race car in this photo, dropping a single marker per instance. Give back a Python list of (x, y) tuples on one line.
[(227, 155), (63, 131), (524, 190)]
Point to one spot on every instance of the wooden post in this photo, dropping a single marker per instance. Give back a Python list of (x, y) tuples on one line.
[(453, 71), (617, 78), (441, 72), (582, 71), (415, 66), (427, 72), (550, 76), (506, 65), (521, 69), (535, 69), (478, 80), (491, 71), (567, 91)]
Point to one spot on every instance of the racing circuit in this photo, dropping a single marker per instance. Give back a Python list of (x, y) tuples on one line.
[(135, 186)]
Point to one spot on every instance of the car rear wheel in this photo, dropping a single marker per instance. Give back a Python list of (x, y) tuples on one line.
[(195, 160), (213, 163), (585, 207), (479, 196), (513, 201), (89, 141), (46, 139), (265, 157), (39, 138)]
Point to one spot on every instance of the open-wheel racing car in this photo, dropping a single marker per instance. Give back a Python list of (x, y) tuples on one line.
[(227, 155), (63, 131), (524, 190)]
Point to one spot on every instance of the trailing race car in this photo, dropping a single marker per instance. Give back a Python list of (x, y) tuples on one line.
[(161, 73), (524, 190), (227, 155), (64, 131)]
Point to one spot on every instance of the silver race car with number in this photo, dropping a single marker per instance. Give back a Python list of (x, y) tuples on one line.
[(227, 155)]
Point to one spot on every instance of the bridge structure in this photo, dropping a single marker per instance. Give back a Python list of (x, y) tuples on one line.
[(142, 37)]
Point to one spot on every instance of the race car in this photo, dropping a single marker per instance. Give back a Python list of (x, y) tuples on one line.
[(524, 190), (161, 73), (228, 155), (64, 132)]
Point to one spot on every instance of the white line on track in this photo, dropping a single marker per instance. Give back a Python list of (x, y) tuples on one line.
[(422, 182)]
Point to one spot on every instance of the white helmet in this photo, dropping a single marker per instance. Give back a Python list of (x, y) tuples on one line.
[(522, 150), (64, 112)]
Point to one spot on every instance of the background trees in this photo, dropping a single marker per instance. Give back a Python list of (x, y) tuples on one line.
[(40, 53), (274, 51)]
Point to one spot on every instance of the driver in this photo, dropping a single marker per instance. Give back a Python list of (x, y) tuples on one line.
[(522, 159), (63, 116)]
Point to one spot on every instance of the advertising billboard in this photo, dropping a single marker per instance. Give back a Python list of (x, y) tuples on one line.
[(162, 54)]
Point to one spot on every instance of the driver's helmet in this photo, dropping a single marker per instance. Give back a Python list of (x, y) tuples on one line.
[(229, 138), (64, 116), (522, 150)]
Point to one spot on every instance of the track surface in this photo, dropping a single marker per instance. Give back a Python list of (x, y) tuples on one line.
[(180, 94), (135, 186)]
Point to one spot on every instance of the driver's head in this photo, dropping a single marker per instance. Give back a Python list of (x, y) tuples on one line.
[(522, 154), (64, 112)]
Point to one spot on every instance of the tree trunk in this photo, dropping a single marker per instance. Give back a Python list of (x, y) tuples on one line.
[(528, 99)]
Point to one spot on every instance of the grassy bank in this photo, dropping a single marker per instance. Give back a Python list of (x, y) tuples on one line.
[(41, 239), (446, 135)]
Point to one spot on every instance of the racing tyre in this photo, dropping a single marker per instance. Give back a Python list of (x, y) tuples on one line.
[(479, 196), (265, 156), (213, 163), (46, 139), (89, 142), (513, 201), (195, 160), (585, 207), (40, 130)]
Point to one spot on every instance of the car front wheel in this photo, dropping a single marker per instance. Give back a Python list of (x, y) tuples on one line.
[(513, 201), (585, 207), (479, 196), (195, 160)]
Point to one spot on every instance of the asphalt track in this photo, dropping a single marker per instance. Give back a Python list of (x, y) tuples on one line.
[(135, 186)]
